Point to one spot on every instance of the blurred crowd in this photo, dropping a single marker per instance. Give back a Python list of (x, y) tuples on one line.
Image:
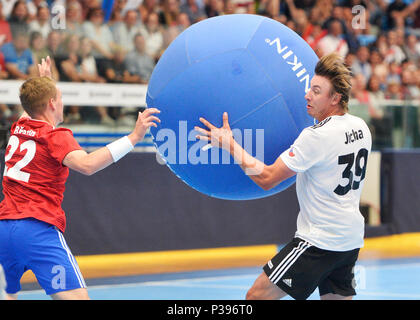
[(120, 41)]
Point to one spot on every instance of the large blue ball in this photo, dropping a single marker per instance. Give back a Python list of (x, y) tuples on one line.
[(252, 67)]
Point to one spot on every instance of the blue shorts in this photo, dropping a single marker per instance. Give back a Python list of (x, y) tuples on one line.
[(30, 244)]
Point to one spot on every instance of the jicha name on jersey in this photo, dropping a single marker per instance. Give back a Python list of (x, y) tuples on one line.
[(350, 136), (353, 136)]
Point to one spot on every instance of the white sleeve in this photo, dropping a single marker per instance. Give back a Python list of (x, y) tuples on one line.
[(306, 151)]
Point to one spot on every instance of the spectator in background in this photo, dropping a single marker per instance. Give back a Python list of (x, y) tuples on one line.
[(88, 64), (379, 68), (361, 63), (33, 6), (54, 41), (73, 18), (19, 65), (18, 19), (413, 11), (37, 44), (393, 91), (7, 7), (168, 16), (300, 18), (99, 33), (70, 64), (18, 58), (376, 94), (394, 17), (271, 9), (394, 72), (410, 91), (194, 12), (147, 7), (5, 33), (313, 34), (70, 69), (375, 97), (213, 8), (230, 7), (351, 34), (125, 31), (42, 21), (153, 36), (88, 72), (412, 49), (116, 70), (183, 22), (394, 52), (118, 13), (169, 35), (132, 5), (334, 40), (380, 44), (359, 91), (139, 63)]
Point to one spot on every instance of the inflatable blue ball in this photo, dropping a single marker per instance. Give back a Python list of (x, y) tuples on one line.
[(254, 68)]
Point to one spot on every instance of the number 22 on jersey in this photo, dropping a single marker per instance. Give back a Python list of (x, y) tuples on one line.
[(15, 172)]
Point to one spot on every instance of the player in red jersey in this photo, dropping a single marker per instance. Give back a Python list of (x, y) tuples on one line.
[(37, 161)]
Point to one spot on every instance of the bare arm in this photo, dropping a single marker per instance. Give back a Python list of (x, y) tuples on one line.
[(265, 176), (90, 163)]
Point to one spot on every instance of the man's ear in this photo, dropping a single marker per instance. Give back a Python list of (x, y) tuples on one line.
[(51, 103), (336, 98)]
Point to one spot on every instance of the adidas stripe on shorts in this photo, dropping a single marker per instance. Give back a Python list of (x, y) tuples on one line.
[(299, 268)]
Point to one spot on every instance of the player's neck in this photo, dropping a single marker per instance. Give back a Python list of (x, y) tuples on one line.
[(337, 111), (45, 118)]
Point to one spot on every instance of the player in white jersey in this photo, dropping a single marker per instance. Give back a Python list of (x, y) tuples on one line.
[(330, 161)]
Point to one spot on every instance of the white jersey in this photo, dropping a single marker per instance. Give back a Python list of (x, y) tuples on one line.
[(330, 159)]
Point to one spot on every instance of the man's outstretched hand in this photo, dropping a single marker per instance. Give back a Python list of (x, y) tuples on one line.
[(44, 68)]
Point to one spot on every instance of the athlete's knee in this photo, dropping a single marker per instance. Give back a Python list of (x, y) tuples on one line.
[(252, 294), (263, 289)]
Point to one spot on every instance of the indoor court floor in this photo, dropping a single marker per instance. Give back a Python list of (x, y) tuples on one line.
[(385, 279), (390, 273)]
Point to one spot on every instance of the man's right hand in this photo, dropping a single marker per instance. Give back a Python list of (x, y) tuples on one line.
[(145, 120), (44, 68)]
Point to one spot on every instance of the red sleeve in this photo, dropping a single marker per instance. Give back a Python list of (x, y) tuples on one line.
[(61, 142)]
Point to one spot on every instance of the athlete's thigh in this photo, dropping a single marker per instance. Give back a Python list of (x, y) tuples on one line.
[(50, 259), (10, 257)]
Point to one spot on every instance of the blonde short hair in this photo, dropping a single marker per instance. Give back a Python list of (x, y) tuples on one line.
[(35, 93), (332, 67)]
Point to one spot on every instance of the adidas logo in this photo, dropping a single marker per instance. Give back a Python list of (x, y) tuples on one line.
[(288, 282)]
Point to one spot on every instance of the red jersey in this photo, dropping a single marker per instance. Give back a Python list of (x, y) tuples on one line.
[(34, 177)]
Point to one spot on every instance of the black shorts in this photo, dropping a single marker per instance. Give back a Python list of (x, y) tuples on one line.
[(299, 268)]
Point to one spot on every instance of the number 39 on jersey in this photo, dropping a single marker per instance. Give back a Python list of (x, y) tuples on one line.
[(360, 161)]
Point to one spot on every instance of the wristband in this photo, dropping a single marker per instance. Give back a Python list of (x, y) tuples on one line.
[(119, 148)]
